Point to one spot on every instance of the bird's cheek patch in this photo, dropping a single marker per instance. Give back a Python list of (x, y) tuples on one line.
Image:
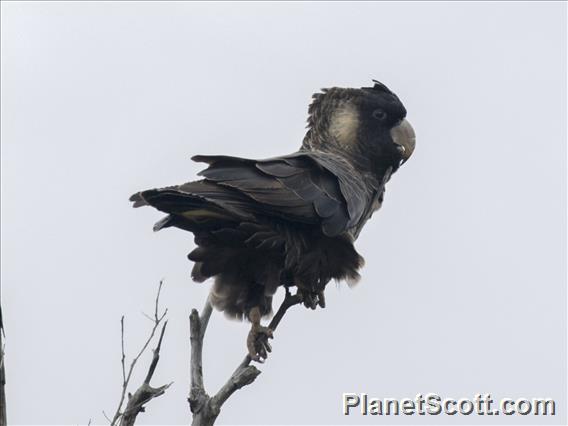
[(344, 125)]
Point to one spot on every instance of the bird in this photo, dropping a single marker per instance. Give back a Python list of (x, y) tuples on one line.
[(292, 220)]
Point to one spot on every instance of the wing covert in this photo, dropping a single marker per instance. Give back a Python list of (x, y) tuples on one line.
[(302, 187)]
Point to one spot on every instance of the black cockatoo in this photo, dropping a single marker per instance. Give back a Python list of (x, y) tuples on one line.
[(290, 220)]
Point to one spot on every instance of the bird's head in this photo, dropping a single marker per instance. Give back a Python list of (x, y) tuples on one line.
[(369, 124)]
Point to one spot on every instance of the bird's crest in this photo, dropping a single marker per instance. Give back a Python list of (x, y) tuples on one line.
[(325, 102), (378, 87)]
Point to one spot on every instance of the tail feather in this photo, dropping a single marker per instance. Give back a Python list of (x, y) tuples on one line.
[(165, 222), (195, 203), (138, 200)]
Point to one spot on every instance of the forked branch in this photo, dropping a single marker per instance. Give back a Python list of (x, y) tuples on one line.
[(145, 393), (206, 408)]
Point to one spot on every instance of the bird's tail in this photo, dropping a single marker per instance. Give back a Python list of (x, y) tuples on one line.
[(194, 205)]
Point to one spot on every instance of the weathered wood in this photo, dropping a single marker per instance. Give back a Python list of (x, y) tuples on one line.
[(206, 409), (145, 393)]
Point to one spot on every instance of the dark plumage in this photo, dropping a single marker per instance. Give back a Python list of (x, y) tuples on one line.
[(291, 220)]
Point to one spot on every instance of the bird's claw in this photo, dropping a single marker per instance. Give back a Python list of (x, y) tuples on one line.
[(312, 299), (257, 342)]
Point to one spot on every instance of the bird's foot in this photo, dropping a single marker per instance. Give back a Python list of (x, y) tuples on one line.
[(312, 299), (257, 340)]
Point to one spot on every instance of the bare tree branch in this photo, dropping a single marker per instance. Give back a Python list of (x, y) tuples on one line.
[(205, 409), (3, 417), (123, 359), (145, 392), (197, 326)]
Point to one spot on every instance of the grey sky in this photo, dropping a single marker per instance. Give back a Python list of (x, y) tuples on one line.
[(464, 289)]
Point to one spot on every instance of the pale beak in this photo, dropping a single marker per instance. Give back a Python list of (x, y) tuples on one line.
[(403, 135)]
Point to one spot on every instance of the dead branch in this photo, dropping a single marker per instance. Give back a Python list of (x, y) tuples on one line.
[(206, 409), (145, 392), (3, 418)]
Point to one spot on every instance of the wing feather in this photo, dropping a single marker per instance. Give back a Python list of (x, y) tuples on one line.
[(313, 188), (308, 187)]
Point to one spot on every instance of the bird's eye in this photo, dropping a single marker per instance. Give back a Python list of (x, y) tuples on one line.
[(379, 114)]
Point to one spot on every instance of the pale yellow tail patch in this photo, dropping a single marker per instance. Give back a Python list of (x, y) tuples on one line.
[(201, 214)]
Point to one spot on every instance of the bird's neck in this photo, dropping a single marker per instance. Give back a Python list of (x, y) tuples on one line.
[(368, 163)]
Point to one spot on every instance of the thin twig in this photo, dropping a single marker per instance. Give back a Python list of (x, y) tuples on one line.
[(145, 393), (123, 359), (147, 316), (205, 315), (126, 376), (158, 301), (156, 356)]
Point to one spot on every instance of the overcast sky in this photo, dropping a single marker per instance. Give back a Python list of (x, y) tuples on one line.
[(464, 288)]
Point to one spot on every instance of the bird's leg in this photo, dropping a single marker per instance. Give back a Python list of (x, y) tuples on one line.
[(257, 340)]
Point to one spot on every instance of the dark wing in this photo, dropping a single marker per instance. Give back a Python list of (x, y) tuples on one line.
[(303, 188), (308, 187), (356, 190)]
